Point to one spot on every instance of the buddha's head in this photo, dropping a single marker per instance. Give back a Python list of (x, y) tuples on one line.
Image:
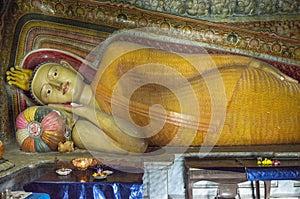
[(51, 82)]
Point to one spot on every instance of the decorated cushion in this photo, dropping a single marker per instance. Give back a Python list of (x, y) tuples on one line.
[(40, 129)]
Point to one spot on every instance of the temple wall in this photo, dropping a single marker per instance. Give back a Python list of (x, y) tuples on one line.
[(261, 29)]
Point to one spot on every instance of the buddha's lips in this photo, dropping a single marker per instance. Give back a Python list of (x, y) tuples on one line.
[(66, 87)]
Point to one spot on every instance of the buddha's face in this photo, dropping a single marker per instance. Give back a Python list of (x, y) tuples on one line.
[(55, 83)]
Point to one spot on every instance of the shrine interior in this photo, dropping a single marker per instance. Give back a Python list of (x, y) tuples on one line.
[(232, 132)]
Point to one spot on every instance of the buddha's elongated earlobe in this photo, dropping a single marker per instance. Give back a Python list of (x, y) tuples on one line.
[(19, 77)]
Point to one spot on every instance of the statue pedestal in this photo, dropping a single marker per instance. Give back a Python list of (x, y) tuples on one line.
[(155, 179)]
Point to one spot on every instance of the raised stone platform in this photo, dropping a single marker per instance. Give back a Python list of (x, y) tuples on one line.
[(164, 172)]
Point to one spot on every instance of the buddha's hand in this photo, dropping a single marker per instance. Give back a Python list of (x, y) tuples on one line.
[(127, 136), (76, 109), (83, 111), (19, 77)]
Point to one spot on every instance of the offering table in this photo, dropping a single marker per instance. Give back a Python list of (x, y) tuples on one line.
[(229, 172), (81, 184)]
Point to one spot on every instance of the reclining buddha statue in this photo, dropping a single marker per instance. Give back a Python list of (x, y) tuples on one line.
[(146, 96)]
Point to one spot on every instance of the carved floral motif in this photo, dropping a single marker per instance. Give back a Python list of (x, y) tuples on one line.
[(122, 14), (218, 8)]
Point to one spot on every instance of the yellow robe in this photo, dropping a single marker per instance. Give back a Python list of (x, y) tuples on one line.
[(251, 104)]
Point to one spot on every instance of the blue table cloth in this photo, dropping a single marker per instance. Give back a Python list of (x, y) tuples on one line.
[(273, 173), (38, 196), (87, 190)]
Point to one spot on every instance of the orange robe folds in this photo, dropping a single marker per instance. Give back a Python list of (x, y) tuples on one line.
[(227, 101)]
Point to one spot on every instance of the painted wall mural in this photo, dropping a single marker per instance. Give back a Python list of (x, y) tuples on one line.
[(249, 28)]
